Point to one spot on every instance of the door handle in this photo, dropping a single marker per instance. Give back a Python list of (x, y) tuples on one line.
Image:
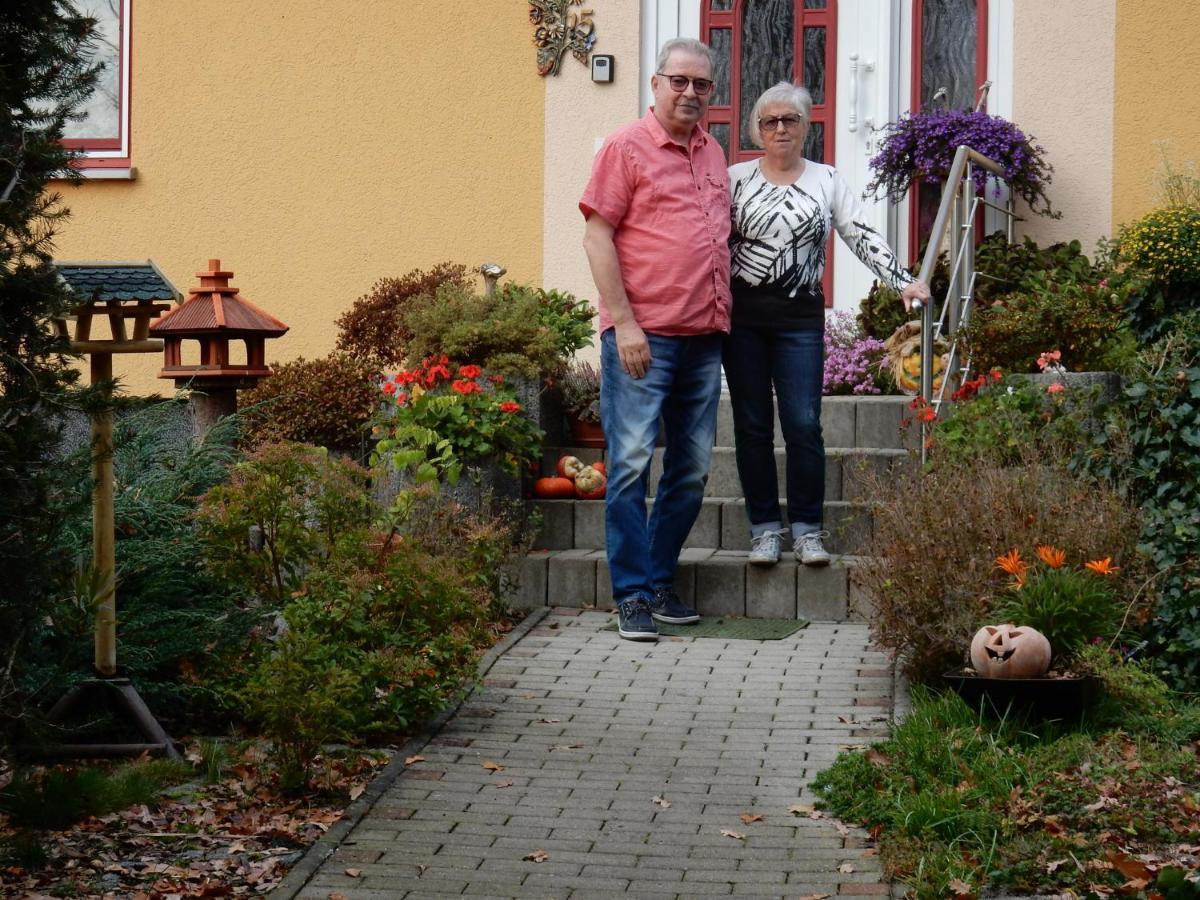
[(866, 65)]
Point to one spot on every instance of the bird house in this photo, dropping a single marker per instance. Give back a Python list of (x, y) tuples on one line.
[(214, 315)]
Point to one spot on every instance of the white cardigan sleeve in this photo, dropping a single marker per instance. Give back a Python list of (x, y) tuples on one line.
[(865, 242)]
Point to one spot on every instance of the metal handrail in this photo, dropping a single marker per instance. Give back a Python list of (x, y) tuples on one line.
[(956, 211)]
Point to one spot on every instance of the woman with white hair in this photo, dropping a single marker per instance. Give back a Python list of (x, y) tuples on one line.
[(783, 209)]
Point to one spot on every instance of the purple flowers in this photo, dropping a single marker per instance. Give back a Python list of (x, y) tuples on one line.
[(920, 147), (851, 360)]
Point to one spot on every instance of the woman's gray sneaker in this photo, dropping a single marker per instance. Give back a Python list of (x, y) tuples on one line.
[(764, 549), (809, 549)]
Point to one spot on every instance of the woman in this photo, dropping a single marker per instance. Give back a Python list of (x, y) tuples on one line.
[(783, 209)]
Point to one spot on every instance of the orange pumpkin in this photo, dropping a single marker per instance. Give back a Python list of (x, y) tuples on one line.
[(569, 466), (590, 484), (554, 488), (1010, 651)]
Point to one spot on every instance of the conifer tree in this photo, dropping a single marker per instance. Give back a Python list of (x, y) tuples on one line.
[(46, 72)]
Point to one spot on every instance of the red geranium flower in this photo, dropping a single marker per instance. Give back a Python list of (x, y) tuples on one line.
[(510, 406), (389, 387), (466, 387), (470, 371)]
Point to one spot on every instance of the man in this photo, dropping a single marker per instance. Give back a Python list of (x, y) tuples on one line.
[(657, 241)]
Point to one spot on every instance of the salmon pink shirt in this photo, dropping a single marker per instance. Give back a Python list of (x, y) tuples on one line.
[(669, 208)]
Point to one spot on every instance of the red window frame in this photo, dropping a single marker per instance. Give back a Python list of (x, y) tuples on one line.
[(113, 152), (822, 113)]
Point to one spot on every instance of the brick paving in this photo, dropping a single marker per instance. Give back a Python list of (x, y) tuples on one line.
[(587, 730)]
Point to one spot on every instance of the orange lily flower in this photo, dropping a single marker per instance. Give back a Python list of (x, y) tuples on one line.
[(1051, 556), (1012, 563), (1102, 566)]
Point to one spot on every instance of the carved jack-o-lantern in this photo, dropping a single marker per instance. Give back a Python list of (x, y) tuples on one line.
[(1010, 651)]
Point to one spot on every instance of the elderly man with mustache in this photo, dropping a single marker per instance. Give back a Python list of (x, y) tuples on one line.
[(657, 241)]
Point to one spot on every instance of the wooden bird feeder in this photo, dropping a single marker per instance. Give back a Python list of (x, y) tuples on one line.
[(214, 315), (129, 295)]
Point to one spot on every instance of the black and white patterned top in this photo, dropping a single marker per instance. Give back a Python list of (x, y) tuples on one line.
[(778, 242)]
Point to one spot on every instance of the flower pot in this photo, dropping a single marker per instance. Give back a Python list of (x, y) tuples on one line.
[(1062, 697), (585, 433)]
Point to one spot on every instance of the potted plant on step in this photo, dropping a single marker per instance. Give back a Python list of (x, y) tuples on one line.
[(580, 389)]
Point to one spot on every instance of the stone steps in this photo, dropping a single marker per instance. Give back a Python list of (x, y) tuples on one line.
[(716, 582), (863, 436)]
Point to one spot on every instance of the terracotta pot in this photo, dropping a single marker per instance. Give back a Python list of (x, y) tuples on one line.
[(586, 434)]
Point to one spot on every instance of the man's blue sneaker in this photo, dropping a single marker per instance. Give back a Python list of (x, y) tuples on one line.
[(634, 622), (667, 607)]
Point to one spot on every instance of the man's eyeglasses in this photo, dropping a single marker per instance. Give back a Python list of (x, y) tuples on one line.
[(772, 123), (679, 83)]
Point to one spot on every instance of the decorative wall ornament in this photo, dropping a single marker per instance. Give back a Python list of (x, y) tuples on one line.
[(560, 27)]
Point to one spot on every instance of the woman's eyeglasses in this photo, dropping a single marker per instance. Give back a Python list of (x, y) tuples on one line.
[(679, 83), (772, 123)]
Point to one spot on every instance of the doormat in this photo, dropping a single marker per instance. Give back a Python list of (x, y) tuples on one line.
[(730, 629)]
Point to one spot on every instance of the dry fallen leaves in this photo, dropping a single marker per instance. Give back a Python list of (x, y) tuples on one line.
[(750, 818), (814, 897), (504, 784), (353, 873), (491, 766), (800, 809), (537, 856), (412, 760), (846, 868), (962, 890), (730, 833), (662, 801)]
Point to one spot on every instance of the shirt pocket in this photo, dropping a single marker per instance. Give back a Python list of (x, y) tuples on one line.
[(716, 197)]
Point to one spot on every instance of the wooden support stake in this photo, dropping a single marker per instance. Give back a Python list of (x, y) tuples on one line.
[(103, 526)]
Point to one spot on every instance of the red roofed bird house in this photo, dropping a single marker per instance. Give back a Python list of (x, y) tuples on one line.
[(214, 314)]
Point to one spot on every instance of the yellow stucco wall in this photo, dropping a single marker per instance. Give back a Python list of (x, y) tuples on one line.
[(314, 154), (1063, 95), (1157, 97), (579, 114)]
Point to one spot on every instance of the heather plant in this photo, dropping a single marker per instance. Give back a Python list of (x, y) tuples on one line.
[(326, 402), (852, 360), (929, 570), (374, 329), (920, 147), (580, 389)]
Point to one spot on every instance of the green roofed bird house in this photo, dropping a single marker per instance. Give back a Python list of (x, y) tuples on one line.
[(214, 315), (129, 295)]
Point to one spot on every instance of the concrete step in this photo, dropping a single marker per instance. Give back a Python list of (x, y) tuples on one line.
[(868, 422), (722, 524), (716, 582), (845, 468)]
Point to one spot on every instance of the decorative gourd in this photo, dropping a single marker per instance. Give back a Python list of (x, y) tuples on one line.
[(1010, 651), (590, 484), (554, 488), (599, 467), (569, 466)]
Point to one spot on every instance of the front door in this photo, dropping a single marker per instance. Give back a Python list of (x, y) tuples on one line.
[(865, 62)]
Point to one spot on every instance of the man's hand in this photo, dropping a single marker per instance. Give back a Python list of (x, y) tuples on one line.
[(633, 348), (918, 290)]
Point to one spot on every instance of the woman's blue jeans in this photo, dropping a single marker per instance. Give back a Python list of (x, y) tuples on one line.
[(682, 387), (793, 361)]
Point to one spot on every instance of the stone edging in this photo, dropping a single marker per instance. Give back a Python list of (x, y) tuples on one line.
[(318, 853)]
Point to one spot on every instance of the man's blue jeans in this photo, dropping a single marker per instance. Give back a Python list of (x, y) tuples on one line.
[(794, 362), (683, 387)]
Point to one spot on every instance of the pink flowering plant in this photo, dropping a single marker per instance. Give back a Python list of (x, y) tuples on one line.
[(852, 360), (439, 420), (920, 147)]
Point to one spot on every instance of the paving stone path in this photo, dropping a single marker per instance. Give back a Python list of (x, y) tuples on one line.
[(574, 733)]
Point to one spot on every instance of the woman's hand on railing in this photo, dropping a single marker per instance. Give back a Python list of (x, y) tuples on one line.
[(914, 295)]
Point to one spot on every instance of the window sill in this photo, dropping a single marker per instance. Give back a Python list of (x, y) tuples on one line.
[(106, 173)]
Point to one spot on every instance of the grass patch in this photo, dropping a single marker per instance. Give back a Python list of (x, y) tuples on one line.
[(44, 799), (960, 802)]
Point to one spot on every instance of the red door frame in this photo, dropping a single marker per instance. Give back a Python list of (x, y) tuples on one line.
[(981, 68), (823, 113)]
